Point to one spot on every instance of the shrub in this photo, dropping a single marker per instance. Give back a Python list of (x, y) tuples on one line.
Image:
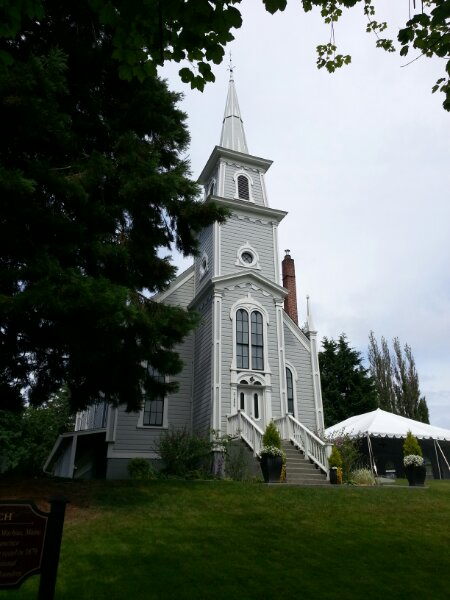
[(363, 477), (139, 468), (335, 459), (411, 445), (271, 436), (350, 454), (183, 452)]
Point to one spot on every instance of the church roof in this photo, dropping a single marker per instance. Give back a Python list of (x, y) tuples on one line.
[(233, 135)]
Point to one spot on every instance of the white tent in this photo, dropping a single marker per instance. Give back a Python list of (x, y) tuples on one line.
[(382, 424)]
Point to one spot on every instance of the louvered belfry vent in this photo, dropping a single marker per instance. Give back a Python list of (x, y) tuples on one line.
[(243, 188)]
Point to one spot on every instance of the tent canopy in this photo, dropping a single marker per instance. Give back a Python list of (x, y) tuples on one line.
[(380, 423)]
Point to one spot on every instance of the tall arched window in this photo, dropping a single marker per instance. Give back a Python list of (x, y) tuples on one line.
[(244, 338), (243, 187), (257, 341), (290, 391)]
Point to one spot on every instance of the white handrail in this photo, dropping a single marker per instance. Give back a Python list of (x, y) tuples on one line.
[(240, 425), (308, 442)]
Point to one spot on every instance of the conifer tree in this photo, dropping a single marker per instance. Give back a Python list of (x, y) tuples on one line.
[(347, 387), (94, 194)]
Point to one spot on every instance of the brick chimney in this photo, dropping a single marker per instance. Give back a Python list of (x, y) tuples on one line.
[(288, 271)]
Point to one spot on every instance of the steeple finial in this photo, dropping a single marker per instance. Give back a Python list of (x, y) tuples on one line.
[(233, 136), (230, 68)]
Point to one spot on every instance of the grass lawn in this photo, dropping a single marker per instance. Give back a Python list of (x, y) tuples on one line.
[(213, 540)]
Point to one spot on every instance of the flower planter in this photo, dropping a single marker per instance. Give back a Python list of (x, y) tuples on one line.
[(415, 475), (271, 468), (333, 476)]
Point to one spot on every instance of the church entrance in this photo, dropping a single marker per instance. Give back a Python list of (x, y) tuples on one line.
[(251, 401)]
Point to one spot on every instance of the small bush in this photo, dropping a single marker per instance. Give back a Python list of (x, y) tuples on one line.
[(350, 454), (363, 477), (271, 436), (139, 468), (411, 445), (183, 452), (335, 459)]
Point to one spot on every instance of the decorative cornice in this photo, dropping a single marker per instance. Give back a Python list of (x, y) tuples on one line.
[(240, 207), (262, 164)]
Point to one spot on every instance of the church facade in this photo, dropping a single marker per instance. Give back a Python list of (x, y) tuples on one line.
[(248, 362)]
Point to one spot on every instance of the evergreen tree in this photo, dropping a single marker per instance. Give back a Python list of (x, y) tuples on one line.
[(397, 380), (94, 193), (347, 388)]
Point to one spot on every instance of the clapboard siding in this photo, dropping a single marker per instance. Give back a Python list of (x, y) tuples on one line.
[(300, 358), (230, 184), (242, 229), (229, 298), (202, 370), (181, 291), (206, 244)]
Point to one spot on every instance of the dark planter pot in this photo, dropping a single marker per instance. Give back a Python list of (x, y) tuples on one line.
[(415, 475), (333, 476), (271, 468)]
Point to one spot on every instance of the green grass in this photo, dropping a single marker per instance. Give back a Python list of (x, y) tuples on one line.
[(229, 540)]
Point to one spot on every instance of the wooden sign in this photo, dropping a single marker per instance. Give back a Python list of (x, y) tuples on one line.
[(30, 542), (22, 534)]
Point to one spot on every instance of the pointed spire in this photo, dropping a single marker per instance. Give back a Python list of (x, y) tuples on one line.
[(233, 136)]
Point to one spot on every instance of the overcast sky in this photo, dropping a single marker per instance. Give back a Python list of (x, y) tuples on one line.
[(362, 165)]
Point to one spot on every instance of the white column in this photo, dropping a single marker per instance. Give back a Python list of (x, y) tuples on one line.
[(216, 417)]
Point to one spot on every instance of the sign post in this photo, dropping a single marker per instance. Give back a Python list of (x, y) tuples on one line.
[(30, 543)]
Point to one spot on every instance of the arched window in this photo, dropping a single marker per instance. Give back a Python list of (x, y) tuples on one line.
[(243, 187), (212, 185), (256, 406), (244, 338), (290, 391), (257, 341)]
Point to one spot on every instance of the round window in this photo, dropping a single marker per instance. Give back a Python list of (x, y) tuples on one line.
[(247, 257)]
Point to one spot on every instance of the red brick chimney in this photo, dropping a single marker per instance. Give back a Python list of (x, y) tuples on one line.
[(288, 271)]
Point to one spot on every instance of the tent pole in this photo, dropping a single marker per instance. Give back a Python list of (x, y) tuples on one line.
[(443, 455), (437, 460)]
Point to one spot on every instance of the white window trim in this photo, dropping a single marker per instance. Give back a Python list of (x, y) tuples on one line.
[(211, 183), (203, 270), (290, 366), (250, 304), (241, 263), (165, 423), (250, 186)]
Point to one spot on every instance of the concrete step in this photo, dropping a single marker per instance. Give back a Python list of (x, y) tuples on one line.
[(300, 471)]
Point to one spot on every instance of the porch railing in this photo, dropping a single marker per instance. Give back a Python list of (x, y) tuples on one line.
[(303, 438), (94, 417), (240, 425)]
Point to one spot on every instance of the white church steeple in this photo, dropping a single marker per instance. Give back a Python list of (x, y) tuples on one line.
[(233, 136)]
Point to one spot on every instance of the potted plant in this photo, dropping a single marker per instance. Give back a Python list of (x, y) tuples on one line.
[(335, 464), (272, 456), (413, 461)]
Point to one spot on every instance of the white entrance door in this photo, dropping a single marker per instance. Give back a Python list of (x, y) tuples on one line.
[(250, 401)]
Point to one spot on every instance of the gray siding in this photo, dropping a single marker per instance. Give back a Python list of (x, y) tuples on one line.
[(270, 346), (181, 295), (230, 185), (300, 357), (202, 370), (238, 230), (206, 244)]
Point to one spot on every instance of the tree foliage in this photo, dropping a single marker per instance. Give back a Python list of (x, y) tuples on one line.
[(347, 387), (93, 192), (149, 33), (396, 379), (27, 438)]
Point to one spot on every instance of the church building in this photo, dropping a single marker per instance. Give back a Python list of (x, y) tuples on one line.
[(248, 362)]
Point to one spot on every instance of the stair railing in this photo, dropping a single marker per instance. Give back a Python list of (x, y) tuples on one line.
[(303, 438), (240, 425)]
